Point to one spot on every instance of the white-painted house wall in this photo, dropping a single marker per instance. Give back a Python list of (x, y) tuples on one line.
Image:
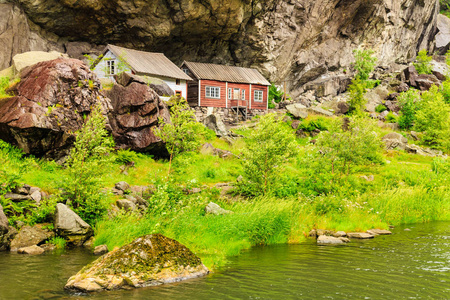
[(101, 68)]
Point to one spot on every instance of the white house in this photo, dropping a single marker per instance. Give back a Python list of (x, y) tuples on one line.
[(117, 59)]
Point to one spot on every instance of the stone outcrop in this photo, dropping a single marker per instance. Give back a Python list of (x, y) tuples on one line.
[(70, 226), (297, 41), (51, 102), (214, 209), (30, 236), (149, 260), (159, 86), (18, 34), (215, 123), (443, 35), (394, 140), (136, 110)]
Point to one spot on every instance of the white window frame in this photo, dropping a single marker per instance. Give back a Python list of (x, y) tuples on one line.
[(242, 94), (230, 93), (212, 92), (110, 67), (258, 95)]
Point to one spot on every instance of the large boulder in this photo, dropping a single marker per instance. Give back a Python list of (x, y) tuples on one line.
[(149, 260), (298, 110), (394, 140), (30, 236), (4, 228), (136, 111), (70, 226), (52, 101), (443, 35), (215, 123)]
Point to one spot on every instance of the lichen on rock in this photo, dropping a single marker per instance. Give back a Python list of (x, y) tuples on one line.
[(147, 261)]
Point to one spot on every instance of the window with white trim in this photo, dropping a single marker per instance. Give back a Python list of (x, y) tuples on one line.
[(213, 92), (258, 95), (110, 67), (230, 93), (243, 94)]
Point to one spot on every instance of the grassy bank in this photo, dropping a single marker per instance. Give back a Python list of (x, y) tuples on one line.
[(405, 189)]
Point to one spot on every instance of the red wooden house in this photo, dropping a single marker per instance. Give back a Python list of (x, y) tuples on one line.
[(222, 86)]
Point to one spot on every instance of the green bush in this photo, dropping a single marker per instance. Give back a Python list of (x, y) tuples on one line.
[(85, 167), (357, 101), (391, 118), (268, 148), (423, 65), (309, 125), (380, 108), (364, 64), (408, 106), (126, 157), (433, 118)]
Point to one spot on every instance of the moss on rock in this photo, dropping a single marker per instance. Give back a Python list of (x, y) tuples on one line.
[(149, 260)]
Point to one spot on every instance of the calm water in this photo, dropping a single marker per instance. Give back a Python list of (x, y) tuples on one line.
[(407, 265)]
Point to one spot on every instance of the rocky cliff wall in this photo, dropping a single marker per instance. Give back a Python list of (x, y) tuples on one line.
[(293, 40)]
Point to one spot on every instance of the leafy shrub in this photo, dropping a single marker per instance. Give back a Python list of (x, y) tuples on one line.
[(182, 133), (59, 242), (380, 108), (391, 118), (85, 167), (364, 64), (423, 62), (357, 101), (309, 125), (408, 106), (445, 91), (126, 157), (433, 118), (275, 94), (267, 149), (343, 148)]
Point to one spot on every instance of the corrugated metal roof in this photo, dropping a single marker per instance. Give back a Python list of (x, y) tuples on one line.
[(226, 73), (148, 62)]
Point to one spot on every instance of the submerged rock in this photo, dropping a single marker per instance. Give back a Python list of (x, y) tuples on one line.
[(31, 250), (149, 260), (359, 235), (379, 232), (330, 240)]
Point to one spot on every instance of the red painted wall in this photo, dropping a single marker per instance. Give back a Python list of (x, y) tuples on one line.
[(212, 102), (263, 104)]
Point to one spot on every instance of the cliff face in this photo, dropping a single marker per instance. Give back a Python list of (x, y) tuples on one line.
[(293, 40)]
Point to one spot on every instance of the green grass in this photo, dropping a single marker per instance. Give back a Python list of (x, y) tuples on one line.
[(403, 191)]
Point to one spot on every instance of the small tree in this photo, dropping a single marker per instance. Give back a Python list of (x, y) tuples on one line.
[(408, 105), (85, 167), (343, 147), (270, 145), (357, 101), (364, 64), (433, 117), (182, 133), (423, 62)]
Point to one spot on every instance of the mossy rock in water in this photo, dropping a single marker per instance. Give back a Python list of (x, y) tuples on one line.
[(147, 261)]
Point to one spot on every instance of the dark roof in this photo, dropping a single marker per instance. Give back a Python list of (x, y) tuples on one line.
[(226, 73), (148, 62)]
